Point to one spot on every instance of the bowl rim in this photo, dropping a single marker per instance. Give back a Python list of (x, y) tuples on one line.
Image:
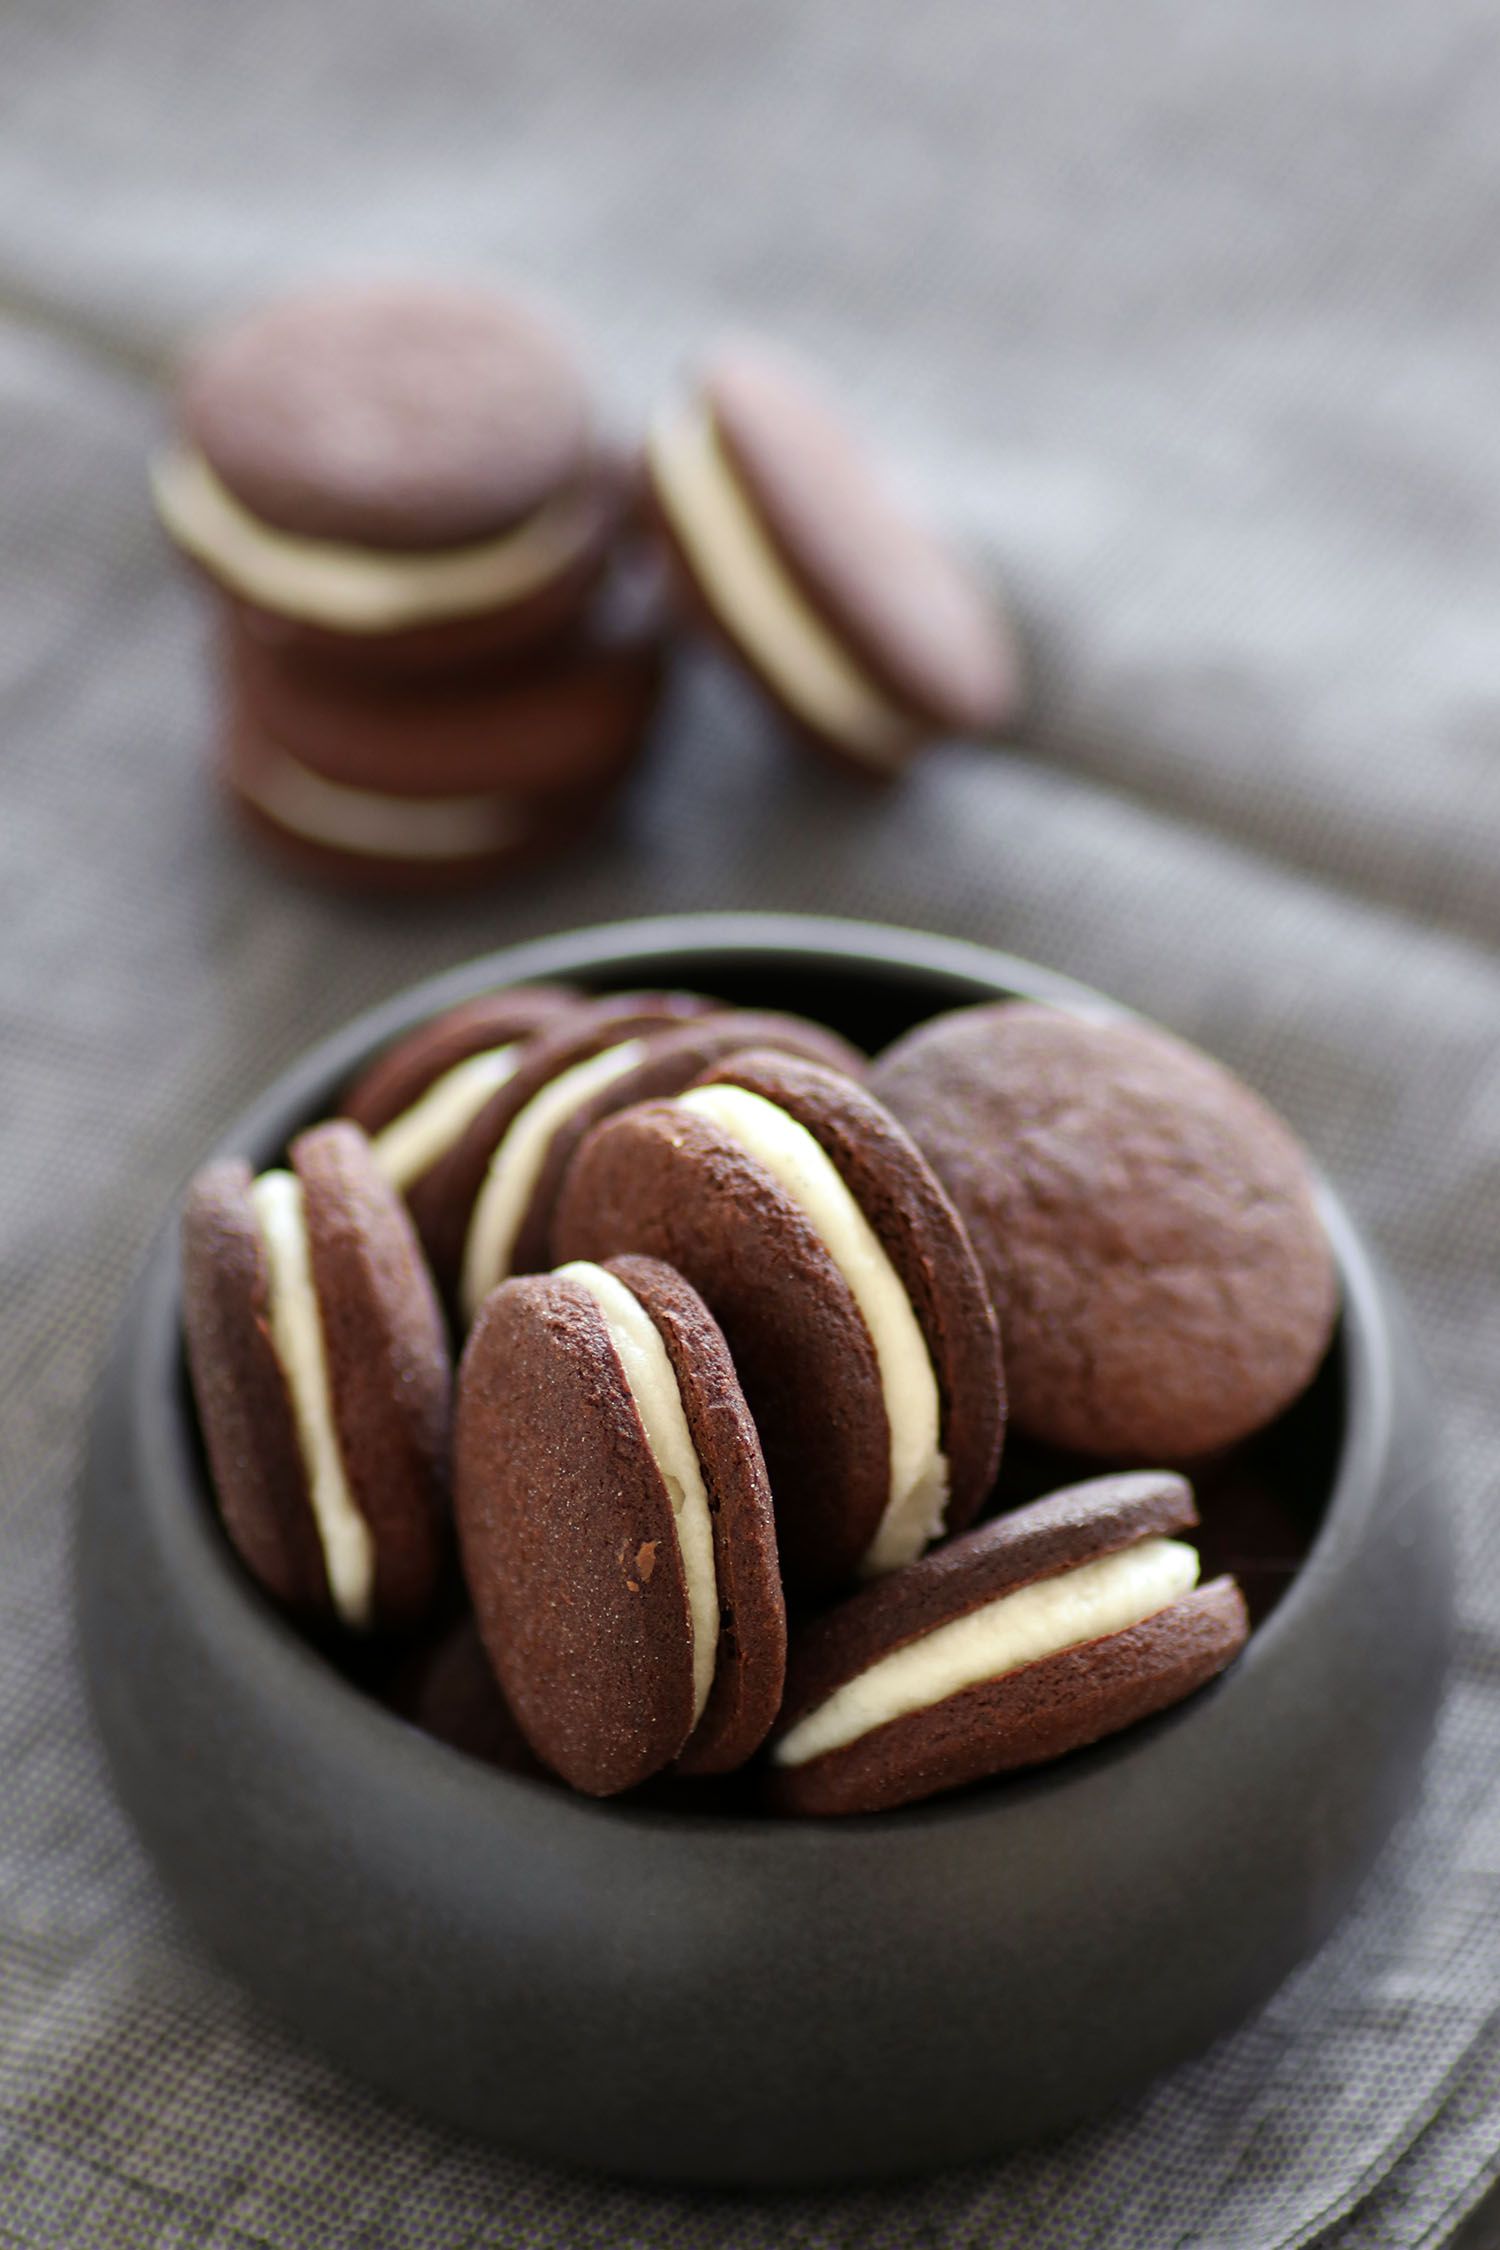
[(252, 1633)]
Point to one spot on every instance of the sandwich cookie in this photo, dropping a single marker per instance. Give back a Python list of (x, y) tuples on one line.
[(672, 1059), (615, 1525), (864, 632), (366, 840), (320, 1369), (549, 730), (487, 1212), (1034, 1635), (853, 1306), (1148, 1227), (416, 1099), (398, 472)]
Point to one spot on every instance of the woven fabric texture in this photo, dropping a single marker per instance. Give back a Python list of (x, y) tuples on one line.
[(1187, 315)]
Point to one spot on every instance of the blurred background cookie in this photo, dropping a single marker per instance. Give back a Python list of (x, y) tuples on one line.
[(862, 629), (435, 778), (399, 472)]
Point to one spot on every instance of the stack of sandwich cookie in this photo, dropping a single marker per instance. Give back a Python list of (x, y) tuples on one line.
[(402, 480), (431, 779), (400, 473)]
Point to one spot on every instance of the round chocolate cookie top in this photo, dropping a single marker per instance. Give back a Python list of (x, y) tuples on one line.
[(1037, 1634), (399, 414), (1148, 1227), (915, 618), (616, 1527), (778, 1217), (320, 1369)]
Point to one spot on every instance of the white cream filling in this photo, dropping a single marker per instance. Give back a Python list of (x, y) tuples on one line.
[(361, 820), (1036, 1621), (658, 1401), (359, 589), (750, 588), (918, 1492), (297, 1334), (412, 1143), (516, 1166)]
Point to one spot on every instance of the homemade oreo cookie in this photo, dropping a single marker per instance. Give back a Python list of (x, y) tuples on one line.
[(864, 632), (445, 776), (616, 1526), (1037, 1634), (555, 728), (320, 1370), (1148, 1227), (395, 473), (853, 1306)]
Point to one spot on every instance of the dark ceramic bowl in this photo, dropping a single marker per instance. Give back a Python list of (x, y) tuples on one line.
[(688, 1998)]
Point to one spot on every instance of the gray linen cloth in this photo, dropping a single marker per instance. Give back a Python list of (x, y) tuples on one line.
[(1188, 315)]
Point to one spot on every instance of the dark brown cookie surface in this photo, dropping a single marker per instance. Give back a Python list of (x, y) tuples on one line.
[(1039, 1710), (450, 1691), (1059, 1532), (567, 1538), (1147, 1226), (388, 1365), (401, 414), (385, 1361), (571, 1548)]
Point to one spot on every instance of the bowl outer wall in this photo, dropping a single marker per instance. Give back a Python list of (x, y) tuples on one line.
[(730, 2002)]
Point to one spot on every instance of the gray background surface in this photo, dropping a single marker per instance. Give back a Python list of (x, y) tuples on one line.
[(1187, 315)]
